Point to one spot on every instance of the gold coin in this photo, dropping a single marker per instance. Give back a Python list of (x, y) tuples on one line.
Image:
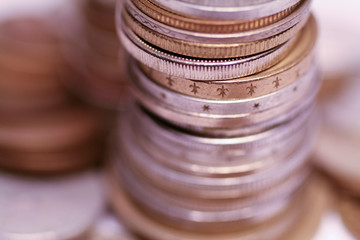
[(209, 50), (189, 23), (292, 67)]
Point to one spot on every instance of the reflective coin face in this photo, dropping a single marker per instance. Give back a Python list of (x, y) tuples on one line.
[(54, 208)]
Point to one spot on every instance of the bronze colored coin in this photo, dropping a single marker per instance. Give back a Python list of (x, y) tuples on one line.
[(102, 5), (53, 130), (99, 38), (100, 18), (209, 50), (296, 64), (332, 87), (30, 30), (350, 213), (189, 23), (29, 36), (19, 104), (96, 86), (20, 84), (28, 64), (50, 162)]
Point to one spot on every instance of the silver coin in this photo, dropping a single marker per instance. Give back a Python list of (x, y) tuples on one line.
[(108, 227), (58, 208)]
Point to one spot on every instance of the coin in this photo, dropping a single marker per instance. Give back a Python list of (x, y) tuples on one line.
[(337, 152), (225, 107), (194, 69), (108, 227), (274, 229), (54, 130), (232, 10), (206, 25), (47, 163), (53, 208), (350, 213), (191, 45)]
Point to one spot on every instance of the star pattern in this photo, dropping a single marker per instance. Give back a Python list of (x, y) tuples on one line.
[(206, 108), (256, 105)]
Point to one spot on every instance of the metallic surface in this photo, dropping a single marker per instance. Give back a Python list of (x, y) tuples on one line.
[(57, 209), (196, 69), (207, 46), (232, 10), (206, 25)]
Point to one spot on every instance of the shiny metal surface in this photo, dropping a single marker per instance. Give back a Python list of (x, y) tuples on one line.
[(57, 209)]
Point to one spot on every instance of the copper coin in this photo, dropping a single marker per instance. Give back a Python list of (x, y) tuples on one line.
[(58, 129)]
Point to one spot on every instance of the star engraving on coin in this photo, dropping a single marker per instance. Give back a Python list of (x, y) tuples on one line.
[(222, 91), (251, 89), (276, 82), (256, 105), (206, 108), (170, 81), (194, 88)]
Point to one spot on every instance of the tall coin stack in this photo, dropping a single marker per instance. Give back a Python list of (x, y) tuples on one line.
[(94, 56), (216, 146)]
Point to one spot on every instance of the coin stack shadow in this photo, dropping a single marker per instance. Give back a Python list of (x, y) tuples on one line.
[(219, 137), (94, 54), (42, 129)]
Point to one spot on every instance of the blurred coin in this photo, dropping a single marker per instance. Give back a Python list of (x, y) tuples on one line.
[(337, 151), (51, 162), (350, 213), (59, 208), (108, 227), (54, 130), (312, 201)]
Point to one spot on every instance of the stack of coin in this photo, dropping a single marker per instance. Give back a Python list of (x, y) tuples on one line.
[(57, 140), (42, 129), (28, 65), (94, 56), (220, 141), (198, 93), (337, 151)]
